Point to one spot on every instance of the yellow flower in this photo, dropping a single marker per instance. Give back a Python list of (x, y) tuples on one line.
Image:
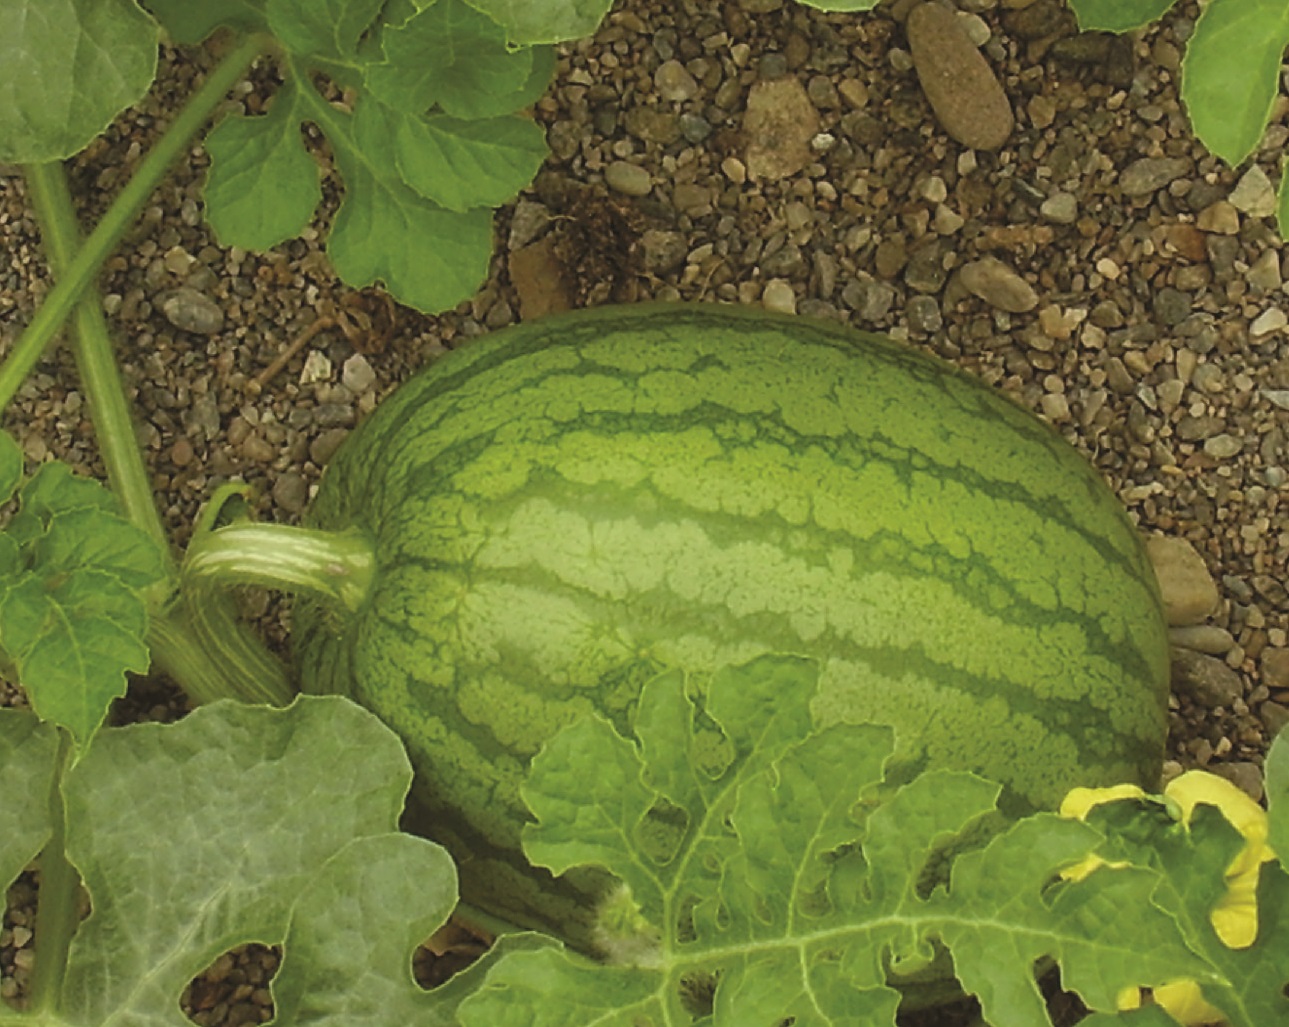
[(1235, 917)]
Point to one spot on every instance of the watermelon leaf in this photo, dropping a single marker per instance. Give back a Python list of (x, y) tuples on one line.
[(788, 891), (73, 574), (1277, 786), (242, 824), (66, 70)]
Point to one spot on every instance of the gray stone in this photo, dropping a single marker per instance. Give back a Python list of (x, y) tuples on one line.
[(191, 311), (357, 374), (1145, 175), (291, 492), (1275, 668), (1223, 446), (1171, 306), (629, 179), (1254, 194), (325, 445), (1192, 429), (652, 125), (785, 262), (1244, 775), (1274, 717), (925, 270), (663, 251), (923, 315), (1203, 638), (998, 285), (1206, 679), (1060, 208), (674, 83), (527, 223), (870, 299)]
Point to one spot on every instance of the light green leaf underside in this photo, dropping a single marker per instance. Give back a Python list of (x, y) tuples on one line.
[(381, 897), (195, 837), (67, 68)]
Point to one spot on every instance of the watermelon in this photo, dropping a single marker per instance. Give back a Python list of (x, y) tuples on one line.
[(561, 509)]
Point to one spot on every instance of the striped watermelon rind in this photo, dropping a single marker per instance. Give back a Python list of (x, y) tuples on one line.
[(563, 508)]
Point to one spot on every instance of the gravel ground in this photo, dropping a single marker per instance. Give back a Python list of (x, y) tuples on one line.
[(1097, 265)]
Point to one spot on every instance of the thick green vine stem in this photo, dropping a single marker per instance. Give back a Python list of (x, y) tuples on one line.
[(330, 565), (195, 639), (56, 913), (199, 642), (80, 271)]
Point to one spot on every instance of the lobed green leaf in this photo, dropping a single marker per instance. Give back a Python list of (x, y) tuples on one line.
[(1190, 864), (263, 186), (425, 152), (545, 21), (73, 572), (765, 879)]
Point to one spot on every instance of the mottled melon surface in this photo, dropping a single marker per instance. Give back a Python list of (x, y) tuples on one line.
[(563, 507)]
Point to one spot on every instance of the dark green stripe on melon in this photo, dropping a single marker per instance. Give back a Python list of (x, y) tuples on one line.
[(559, 505)]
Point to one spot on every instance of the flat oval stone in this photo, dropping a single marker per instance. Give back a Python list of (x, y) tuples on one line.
[(962, 89), (998, 285)]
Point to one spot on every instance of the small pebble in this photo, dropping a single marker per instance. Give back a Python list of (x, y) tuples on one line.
[(778, 296), (628, 179), (192, 311)]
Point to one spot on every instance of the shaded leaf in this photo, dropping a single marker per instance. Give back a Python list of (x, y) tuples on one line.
[(1117, 15), (191, 21), (28, 756)]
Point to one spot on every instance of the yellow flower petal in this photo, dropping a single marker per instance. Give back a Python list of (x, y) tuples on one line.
[(1235, 917), (1079, 802), (1198, 786)]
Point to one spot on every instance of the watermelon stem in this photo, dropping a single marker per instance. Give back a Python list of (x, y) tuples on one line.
[(331, 565)]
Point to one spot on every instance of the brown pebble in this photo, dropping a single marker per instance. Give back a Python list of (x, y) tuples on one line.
[(779, 124), (181, 453), (961, 87)]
